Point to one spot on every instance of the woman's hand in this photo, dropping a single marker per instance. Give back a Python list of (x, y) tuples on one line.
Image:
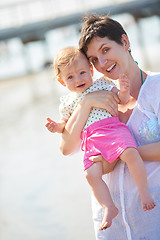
[(106, 166), (103, 99)]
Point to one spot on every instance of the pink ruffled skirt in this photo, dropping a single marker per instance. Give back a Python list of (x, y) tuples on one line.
[(108, 137)]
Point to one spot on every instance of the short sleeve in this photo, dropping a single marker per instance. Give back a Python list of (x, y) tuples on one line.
[(68, 104), (150, 98), (65, 107)]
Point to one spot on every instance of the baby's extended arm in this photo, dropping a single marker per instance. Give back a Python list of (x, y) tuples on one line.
[(123, 93), (58, 127)]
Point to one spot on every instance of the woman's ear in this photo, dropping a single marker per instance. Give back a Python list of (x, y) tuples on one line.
[(61, 81), (125, 41), (91, 69)]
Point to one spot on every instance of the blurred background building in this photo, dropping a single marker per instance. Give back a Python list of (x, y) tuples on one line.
[(43, 194), (31, 31)]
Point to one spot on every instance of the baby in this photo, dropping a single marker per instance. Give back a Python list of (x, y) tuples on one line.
[(102, 134)]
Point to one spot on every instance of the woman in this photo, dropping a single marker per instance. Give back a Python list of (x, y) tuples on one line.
[(107, 46)]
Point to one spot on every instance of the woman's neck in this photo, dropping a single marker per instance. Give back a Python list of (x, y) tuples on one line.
[(136, 77)]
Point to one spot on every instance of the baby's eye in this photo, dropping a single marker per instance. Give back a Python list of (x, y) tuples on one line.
[(70, 77), (94, 60), (83, 72)]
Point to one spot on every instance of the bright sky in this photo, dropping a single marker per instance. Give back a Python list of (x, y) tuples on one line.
[(106, 2), (20, 12)]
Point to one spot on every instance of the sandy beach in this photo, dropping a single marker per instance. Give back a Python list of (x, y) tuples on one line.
[(44, 195)]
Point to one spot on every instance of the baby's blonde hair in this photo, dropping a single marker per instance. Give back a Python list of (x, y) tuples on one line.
[(65, 57)]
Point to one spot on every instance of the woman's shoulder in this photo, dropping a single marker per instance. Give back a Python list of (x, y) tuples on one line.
[(150, 90), (152, 82), (152, 77)]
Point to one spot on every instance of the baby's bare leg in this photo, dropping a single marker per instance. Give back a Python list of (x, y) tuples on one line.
[(138, 172), (106, 166), (101, 192)]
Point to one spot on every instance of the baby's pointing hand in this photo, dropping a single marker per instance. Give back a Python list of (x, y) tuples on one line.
[(51, 125)]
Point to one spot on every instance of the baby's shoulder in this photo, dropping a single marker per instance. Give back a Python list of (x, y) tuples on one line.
[(103, 83), (68, 98)]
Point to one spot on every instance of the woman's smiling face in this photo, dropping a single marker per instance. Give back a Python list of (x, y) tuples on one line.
[(109, 57)]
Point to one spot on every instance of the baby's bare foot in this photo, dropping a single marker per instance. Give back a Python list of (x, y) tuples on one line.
[(109, 214), (147, 201)]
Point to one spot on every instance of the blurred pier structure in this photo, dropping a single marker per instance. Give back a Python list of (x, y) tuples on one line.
[(31, 19)]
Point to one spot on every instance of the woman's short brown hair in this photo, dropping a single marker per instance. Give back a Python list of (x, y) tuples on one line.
[(100, 26)]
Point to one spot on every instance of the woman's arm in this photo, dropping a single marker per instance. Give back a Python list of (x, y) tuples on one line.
[(71, 136), (150, 152)]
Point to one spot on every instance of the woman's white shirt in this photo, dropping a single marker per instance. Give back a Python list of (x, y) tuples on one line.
[(132, 223)]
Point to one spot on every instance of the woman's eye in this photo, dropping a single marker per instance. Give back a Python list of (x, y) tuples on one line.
[(105, 50)]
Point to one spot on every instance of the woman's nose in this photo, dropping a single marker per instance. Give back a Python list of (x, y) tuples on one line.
[(102, 61)]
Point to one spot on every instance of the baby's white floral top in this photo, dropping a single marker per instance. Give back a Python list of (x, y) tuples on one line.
[(71, 100)]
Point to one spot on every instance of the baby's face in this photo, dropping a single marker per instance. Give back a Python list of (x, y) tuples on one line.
[(77, 77)]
